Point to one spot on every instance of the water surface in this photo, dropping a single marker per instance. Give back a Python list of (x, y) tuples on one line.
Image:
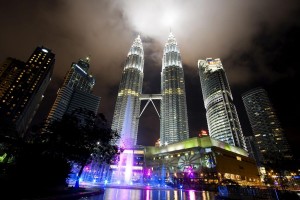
[(151, 194)]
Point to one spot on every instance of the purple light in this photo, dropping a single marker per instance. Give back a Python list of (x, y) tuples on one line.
[(149, 172), (128, 169), (147, 194), (192, 195)]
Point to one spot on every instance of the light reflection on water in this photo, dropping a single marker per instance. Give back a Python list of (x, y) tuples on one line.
[(148, 194)]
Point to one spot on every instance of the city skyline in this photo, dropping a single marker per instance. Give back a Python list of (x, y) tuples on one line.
[(256, 49)]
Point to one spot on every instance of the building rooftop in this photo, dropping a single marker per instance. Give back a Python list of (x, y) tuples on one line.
[(202, 142)]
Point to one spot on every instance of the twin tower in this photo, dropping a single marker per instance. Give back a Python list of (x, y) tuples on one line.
[(173, 109)]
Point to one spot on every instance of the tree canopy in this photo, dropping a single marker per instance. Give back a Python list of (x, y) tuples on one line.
[(48, 153), (81, 137)]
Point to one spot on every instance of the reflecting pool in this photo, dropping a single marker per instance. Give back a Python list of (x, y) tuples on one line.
[(151, 194)]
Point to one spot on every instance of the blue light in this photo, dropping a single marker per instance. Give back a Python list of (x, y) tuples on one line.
[(105, 182)]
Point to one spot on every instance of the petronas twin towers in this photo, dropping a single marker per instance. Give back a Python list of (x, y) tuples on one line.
[(174, 121), (173, 109), (127, 109)]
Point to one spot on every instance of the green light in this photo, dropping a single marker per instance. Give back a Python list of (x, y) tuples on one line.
[(3, 157), (195, 142)]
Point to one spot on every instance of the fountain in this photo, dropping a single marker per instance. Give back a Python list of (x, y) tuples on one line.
[(129, 170), (124, 171)]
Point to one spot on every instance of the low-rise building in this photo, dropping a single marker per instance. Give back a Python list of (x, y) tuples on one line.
[(205, 159)]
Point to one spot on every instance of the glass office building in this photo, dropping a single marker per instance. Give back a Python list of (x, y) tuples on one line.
[(268, 134), (222, 118)]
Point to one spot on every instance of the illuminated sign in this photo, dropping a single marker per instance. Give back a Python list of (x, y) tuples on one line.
[(203, 133)]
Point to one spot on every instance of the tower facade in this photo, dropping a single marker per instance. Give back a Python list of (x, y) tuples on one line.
[(22, 86), (268, 133), (127, 108), (253, 151), (76, 92), (222, 118), (174, 120)]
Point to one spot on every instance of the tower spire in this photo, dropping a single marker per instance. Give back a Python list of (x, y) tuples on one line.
[(88, 59)]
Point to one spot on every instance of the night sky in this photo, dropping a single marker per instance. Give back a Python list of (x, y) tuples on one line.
[(258, 43)]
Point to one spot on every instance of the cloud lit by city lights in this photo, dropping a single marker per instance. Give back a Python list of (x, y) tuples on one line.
[(248, 36)]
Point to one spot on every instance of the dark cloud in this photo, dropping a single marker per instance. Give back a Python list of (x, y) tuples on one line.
[(257, 41), (271, 57)]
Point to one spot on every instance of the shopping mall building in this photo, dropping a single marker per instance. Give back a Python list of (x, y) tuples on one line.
[(200, 159)]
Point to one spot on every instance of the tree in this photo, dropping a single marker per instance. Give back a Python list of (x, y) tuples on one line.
[(277, 163), (82, 136), (31, 164), (9, 139)]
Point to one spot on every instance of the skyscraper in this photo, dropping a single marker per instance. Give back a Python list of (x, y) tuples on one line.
[(76, 92), (268, 133), (22, 86), (253, 149), (127, 108), (222, 118), (174, 120)]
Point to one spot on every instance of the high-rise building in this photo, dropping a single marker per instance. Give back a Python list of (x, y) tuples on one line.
[(22, 86), (253, 149), (174, 120), (222, 118), (127, 108), (268, 133), (76, 92)]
